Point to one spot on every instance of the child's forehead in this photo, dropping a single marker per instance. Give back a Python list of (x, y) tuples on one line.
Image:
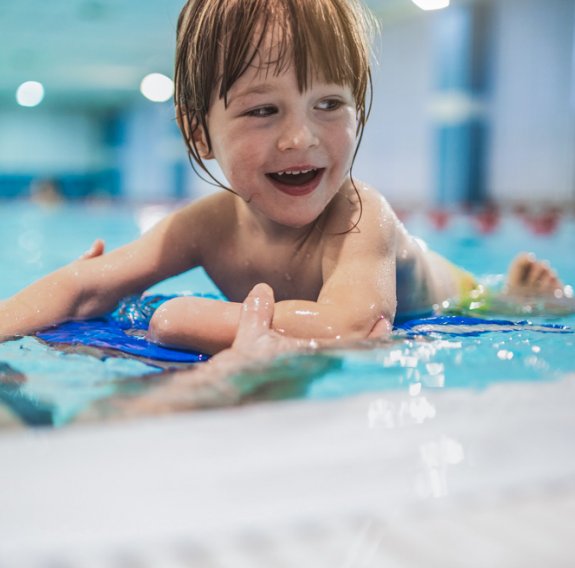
[(272, 53), (263, 80)]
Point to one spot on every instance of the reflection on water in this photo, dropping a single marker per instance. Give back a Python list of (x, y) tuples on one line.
[(387, 414)]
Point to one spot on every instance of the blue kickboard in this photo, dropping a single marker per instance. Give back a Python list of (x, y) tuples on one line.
[(123, 330), (107, 334)]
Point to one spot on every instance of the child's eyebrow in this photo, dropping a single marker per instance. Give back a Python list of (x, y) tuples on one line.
[(259, 89)]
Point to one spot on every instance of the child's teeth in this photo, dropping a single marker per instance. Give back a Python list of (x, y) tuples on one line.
[(295, 177), (296, 172)]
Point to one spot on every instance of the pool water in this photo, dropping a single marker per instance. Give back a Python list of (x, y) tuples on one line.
[(54, 386)]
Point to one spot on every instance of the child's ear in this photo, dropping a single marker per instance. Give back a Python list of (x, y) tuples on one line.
[(198, 134), (201, 142)]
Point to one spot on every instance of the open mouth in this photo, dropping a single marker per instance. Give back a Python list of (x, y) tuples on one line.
[(296, 178)]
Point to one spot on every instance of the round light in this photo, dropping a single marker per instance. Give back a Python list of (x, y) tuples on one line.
[(30, 94), (431, 4), (157, 87)]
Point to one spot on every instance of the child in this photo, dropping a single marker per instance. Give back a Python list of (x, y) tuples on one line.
[(275, 92)]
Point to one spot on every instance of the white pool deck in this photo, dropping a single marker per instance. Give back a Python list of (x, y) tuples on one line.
[(456, 478)]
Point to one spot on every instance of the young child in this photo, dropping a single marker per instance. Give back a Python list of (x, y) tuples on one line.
[(275, 92)]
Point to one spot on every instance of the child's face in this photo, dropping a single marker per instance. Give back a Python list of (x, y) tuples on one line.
[(270, 129)]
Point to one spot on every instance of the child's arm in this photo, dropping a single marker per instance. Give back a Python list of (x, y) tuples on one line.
[(359, 278), (358, 298), (91, 286)]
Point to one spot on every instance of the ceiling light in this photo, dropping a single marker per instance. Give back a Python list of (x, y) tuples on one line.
[(30, 94), (431, 4), (157, 87)]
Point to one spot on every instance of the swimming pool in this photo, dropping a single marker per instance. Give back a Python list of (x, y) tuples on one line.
[(59, 385), (439, 451)]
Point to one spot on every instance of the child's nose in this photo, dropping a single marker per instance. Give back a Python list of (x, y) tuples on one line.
[(297, 135)]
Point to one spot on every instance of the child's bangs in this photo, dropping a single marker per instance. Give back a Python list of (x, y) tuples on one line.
[(329, 41), (321, 39)]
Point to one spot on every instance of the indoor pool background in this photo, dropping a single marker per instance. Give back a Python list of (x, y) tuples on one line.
[(38, 239)]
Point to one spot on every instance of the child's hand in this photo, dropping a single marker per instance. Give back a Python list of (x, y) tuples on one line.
[(97, 249)]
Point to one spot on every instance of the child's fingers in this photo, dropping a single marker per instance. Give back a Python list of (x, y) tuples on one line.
[(97, 249), (528, 275), (536, 273), (521, 268)]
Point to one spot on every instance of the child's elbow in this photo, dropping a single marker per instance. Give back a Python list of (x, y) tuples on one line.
[(376, 322), (162, 328), (360, 329), (382, 328), (169, 326)]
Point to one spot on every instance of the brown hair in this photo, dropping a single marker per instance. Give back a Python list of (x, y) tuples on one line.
[(218, 40)]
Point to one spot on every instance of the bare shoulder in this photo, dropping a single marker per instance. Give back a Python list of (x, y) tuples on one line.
[(193, 230), (213, 210), (361, 210), (211, 214)]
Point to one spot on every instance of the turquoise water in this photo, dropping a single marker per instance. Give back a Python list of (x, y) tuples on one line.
[(57, 385)]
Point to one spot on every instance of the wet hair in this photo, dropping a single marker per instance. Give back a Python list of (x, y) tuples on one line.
[(218, 40)]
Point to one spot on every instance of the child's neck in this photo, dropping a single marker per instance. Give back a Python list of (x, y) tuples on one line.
[(255, 223)]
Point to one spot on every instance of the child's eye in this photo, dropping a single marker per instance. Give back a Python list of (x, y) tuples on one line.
[(262, 112), (329, 104)]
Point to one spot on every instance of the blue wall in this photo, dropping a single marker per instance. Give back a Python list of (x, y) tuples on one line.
[(501, 127), (36, 143), (134, 153)]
